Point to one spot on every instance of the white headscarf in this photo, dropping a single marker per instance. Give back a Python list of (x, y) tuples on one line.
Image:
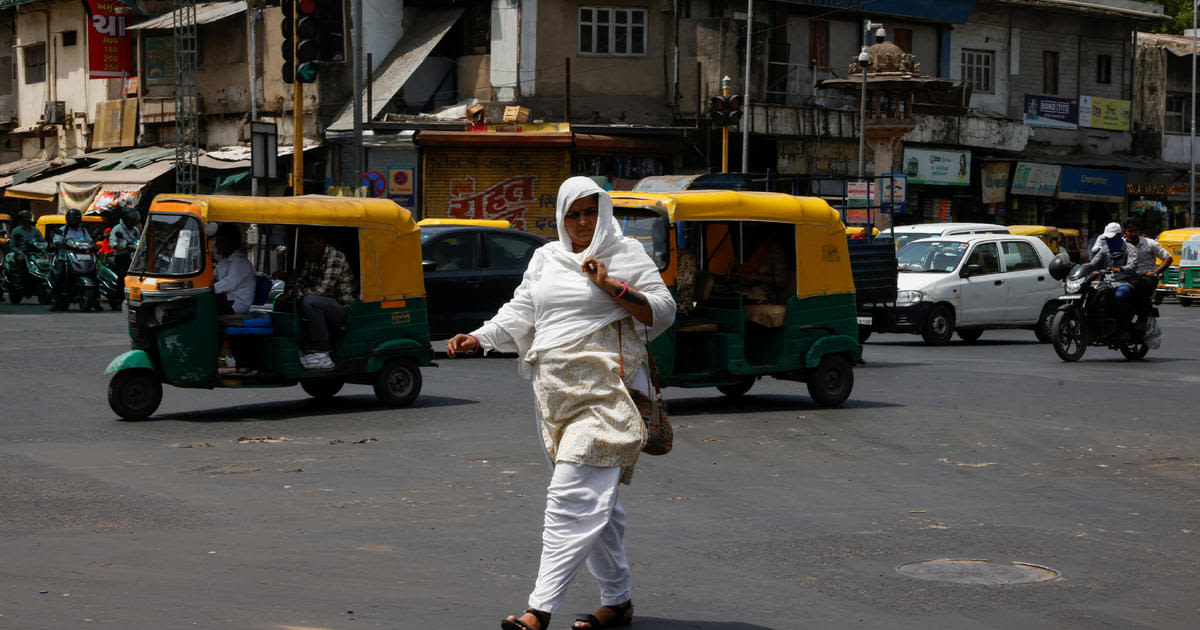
[(557, 303)]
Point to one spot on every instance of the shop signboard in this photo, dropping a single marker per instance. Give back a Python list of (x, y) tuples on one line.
[(109, 45), (1104, 113), (1051, 111), (995, 181), (1036, 180), (1092, 185), (515, 185), (946, 168)]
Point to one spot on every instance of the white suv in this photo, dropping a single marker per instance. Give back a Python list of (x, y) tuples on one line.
[(906, 234), (970, 283)]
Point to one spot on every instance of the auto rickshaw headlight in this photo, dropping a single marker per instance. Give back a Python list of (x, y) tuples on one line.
[(909, 297)]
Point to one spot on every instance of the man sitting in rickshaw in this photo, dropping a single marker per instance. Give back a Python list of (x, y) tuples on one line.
[(325, 288), (233, 276)]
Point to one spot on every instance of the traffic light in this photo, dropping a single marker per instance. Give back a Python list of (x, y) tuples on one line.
[(725, 110), (331, 35), (300, 29)]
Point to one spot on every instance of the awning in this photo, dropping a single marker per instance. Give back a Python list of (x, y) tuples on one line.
[(47, 189), (419, 39), (205, 13)]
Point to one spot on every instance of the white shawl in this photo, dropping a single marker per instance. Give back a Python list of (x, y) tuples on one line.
[(557, 303)]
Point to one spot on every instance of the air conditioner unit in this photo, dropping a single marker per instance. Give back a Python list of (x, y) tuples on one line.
[(55, 113)]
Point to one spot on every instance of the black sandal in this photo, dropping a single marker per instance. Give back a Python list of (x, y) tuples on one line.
[(516, 624), (623, 617)]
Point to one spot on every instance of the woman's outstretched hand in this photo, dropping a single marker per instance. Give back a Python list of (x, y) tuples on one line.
[(598, 273), (461, 343)]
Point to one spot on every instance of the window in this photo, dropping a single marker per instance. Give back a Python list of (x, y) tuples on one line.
[(1104, 69), (1019, 256), (35, 63), (172, 245), (1049, 72), (818, 44), (508, 251), (902, 37), (454, 252), (69, 38), (986, 257), (978, 70), (609, 31), (1179, 113)]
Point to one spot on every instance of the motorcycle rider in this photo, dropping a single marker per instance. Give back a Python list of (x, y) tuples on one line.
[(124, 238), (1114, 256), (73, 231), (1144, 262), (25, 237)]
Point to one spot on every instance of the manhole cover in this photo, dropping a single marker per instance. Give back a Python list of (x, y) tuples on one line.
[(964, 571)]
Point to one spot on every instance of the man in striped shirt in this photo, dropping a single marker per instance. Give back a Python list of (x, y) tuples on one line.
[(326, 288)]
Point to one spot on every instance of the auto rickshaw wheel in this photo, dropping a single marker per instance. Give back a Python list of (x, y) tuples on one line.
[(322, 388), (398, 383), (1134, 350), (1069, 335), (134, 394), (829, 383), (939, 326), (737, 390), (970, 335), (14, 296)]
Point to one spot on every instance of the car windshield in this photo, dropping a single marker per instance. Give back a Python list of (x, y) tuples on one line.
[(170, 246), (904, 238), (931, 256), (651, 231)]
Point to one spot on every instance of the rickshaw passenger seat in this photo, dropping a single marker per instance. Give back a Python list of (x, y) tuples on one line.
[(262, 288)]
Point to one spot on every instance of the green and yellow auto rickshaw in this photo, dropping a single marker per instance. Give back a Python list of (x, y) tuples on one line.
[(1188, 278), (1172, 241), (178, 338), (734, 326)]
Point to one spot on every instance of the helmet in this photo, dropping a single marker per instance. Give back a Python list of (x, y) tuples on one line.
[(74, 216), (1059, 268), (24, 216)]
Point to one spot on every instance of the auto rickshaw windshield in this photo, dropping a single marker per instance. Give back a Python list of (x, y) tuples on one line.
[(931, 256), (651, 231), (171, 246)]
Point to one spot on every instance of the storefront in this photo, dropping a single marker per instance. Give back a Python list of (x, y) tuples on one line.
[(938, 185), (1101, 194)]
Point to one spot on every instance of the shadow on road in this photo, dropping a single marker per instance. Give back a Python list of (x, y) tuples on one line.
[(290, 409), (655, 623), (751, 403)]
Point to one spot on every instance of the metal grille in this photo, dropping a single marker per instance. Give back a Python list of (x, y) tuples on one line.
[(187, 93)]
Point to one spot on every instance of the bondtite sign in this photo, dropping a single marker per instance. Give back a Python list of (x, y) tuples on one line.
[(109, 50), (1051, 111)]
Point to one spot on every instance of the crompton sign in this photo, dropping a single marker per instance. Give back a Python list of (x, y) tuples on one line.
[(1092, 185)]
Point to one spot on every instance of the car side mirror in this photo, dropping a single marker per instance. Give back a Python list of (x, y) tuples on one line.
[(972, 270), (428, 265)]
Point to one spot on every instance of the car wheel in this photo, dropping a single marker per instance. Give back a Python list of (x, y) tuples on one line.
[(321, 388), (1069, 335), (736, 390), (398, 383), (1134, 350), (864, 333), (829, 383), (134, 394), (969, 335), (939, 326), (1041, 329)]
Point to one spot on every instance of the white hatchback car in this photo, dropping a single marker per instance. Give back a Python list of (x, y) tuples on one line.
[(970, 283)]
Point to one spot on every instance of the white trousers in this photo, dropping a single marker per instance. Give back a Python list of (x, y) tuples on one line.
[(584, 523)]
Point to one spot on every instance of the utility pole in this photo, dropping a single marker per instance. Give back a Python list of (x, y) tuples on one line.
[(297, 110), (725, 83), (746, 93)]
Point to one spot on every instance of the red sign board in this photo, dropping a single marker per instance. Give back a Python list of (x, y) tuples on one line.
[(110, 51)]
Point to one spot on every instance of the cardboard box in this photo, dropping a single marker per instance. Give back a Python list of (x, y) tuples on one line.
[(475, 113), (516, 114)]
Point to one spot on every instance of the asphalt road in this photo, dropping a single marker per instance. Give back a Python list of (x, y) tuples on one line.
[(260, 509)]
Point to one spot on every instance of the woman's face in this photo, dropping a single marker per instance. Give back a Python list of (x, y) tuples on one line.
[(580, 222)]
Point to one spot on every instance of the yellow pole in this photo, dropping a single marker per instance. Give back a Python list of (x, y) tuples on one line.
[(725, 139), (297, 110)]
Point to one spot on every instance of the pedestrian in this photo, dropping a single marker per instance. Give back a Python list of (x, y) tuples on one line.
[(572, 323)]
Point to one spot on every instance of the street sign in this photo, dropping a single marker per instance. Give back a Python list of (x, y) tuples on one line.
[(375, 182), (263, 154)]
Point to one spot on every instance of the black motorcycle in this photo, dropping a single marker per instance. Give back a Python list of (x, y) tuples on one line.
[(27, 274), (80, 284), (1089, 316)]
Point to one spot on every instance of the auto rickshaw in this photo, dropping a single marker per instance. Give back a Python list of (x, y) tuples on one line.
[(51, 224), (1048, 234), (853, 230), (1188, 288), (1072, 243), (726, 335), (1172, 241), (178, 338)]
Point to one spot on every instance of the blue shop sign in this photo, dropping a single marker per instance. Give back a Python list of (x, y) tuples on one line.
[(1091, 185)]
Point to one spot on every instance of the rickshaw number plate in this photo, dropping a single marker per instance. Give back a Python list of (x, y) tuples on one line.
[(135, 293), (402, 317), (864, 321)]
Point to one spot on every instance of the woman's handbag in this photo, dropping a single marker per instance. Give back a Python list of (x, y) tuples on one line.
[(659, 435)]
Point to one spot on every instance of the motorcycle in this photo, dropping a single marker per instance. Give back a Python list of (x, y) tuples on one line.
[(27, 274), (80, 277), (1089, 317)]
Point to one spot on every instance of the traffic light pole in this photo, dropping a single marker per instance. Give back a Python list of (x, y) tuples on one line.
[(297, 109)]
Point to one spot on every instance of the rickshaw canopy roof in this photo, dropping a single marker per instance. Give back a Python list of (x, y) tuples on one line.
[(1033, 230), (389, 241)]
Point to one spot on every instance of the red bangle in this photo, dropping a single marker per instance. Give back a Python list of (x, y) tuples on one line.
[(624, 288), (477, 346)]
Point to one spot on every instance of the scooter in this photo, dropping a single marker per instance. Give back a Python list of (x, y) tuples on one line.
[(80, 277), (1089, 316), (112, 282), (27, 274)]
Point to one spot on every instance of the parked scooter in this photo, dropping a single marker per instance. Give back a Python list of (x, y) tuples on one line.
[(1089, 316), (80, 284), (27, 274)]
